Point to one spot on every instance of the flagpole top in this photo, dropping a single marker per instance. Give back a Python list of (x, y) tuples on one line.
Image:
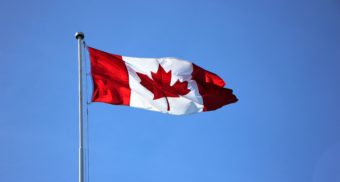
[(80, 35)]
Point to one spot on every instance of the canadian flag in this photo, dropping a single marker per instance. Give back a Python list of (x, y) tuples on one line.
[(167, 85)]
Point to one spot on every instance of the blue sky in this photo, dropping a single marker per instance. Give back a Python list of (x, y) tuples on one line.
[(280, 57)]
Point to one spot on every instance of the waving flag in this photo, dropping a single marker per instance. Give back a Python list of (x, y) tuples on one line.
[(167, 85)]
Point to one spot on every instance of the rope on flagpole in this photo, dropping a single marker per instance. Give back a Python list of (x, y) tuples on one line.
[(87, 156)]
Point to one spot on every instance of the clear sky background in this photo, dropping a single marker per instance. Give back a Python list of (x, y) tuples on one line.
[(281, 57)]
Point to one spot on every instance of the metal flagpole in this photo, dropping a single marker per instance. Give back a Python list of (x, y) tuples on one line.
[(80, 36)]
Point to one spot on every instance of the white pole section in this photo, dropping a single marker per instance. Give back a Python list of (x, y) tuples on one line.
[(80, 37)]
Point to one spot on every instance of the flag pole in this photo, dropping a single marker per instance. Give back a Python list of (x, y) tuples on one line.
[(80, 36)]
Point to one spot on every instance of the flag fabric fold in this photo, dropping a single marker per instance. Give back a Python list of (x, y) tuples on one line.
[(167, 85)]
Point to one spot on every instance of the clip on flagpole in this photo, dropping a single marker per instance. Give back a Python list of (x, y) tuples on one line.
[(80, 37)]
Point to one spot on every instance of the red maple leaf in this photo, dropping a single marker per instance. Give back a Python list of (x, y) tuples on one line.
[(160, 86)]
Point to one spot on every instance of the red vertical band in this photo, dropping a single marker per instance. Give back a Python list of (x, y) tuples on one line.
[(211, 89), (110, 78)]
